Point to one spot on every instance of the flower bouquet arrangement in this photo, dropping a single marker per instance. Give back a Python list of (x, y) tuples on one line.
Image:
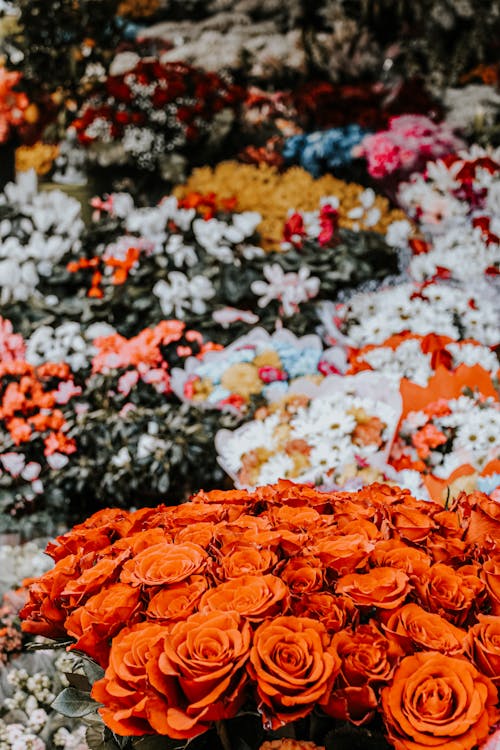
[(459, 311), (154, 117), (449, 429), (253, 368), (284, 615), (416, 358), (327, 434)]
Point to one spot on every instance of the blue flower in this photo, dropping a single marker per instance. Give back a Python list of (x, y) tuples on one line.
[(323, 150)]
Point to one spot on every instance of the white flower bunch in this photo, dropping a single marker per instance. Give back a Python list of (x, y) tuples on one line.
[(371, 317), (46, 227), (180, 294), (68, 342)]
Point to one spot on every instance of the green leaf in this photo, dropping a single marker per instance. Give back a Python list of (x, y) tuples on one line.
[(93, 670), (98, 738), (74, 703)]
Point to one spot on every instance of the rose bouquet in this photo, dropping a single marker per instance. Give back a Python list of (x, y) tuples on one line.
[(153, 116), (284, 610), (327, 434)]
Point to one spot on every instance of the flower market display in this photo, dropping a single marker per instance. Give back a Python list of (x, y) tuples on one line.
[(249, 375)]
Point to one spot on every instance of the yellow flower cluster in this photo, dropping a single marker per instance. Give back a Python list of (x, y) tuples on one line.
[(39, 157), (264, 189), (138, 8)]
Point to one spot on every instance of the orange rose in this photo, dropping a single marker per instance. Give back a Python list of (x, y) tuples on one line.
[(440, 702), (384, 588), (483, 646), (395, 554), (201, 533), (484, 521), (448, 592), (199, 668), (92, 580), (414, 629), (95, 533), (46, 608), (368, 661), (303, 574), (178, 601), (101, 618), (254, 597), (410, 523), (334, 612), (128, 700), (490, 574), (239, 559), (344, 554), (450, 551), (294, 666), (164, 563)]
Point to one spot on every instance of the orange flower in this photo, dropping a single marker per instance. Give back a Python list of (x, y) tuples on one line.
[(334, 612), (129, 702), (254, 597), (440, 702), (178, 601), (412, 524), (239, 559), (344, 553), (426, 438), (199, 669), (483, 646), (448, 592), (384, 588), (395, 554), (368, 661), (101, 618), (490, 574), (414, 629), (484, 521), (294, 666), (164, 563), (303, 575), (46, 610), (369, 432)]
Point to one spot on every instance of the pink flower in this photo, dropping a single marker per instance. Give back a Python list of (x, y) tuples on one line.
[(228, 315), (127, 381), (13, 463), (65, 391)]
